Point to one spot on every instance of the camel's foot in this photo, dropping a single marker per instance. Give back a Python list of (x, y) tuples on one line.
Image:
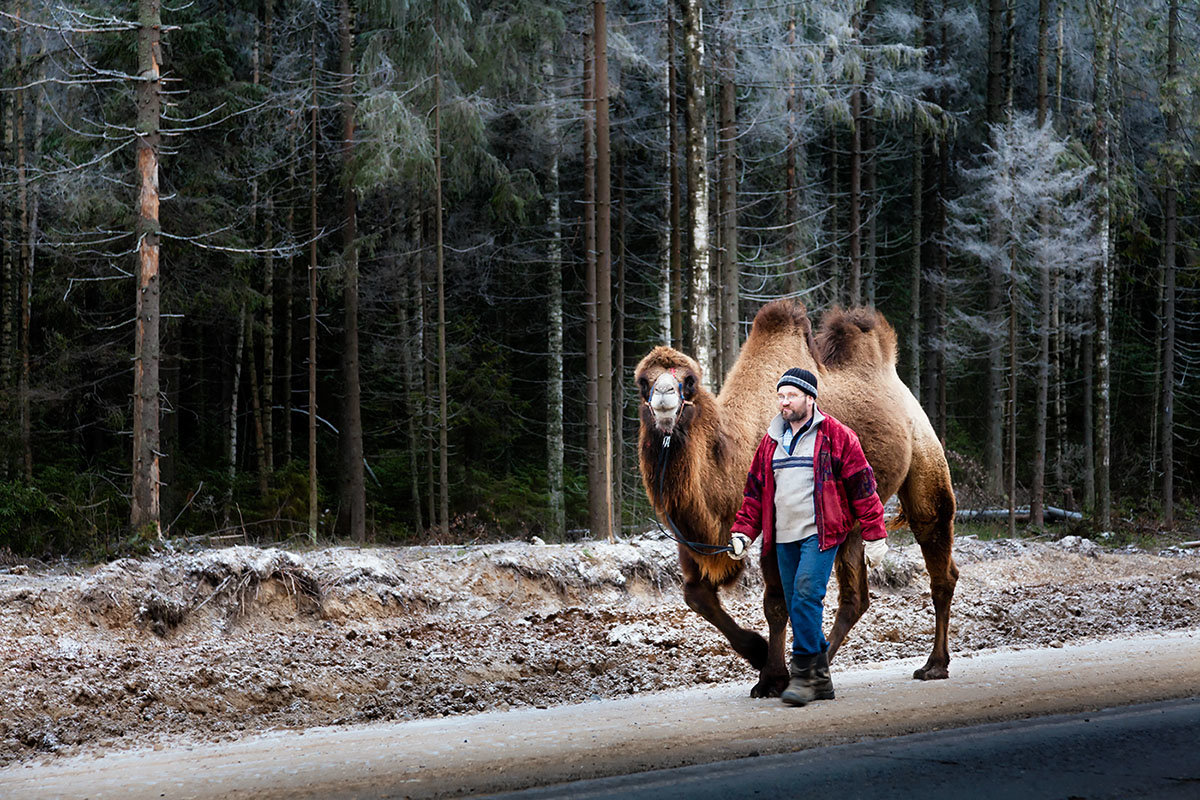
[(753, 648), (770, 684), (932, 672)]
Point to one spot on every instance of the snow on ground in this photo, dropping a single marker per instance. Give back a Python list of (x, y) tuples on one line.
[(213, 644)]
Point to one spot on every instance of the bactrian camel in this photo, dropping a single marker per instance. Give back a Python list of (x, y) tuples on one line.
[(696, 485)]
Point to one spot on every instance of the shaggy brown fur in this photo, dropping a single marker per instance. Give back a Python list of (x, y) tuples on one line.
[(713, 441)]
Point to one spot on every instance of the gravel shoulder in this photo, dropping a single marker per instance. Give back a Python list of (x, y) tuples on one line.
[(210, 647), (514, 749)]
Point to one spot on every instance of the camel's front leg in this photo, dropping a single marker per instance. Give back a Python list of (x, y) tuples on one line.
[(773, 678), (701, 597)]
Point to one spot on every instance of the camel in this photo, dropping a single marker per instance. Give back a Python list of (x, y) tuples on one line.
[(695, 451)]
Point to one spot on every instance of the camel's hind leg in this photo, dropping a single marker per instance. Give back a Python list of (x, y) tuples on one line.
[(928, 503), (701, 596), (853, 595), (773, 678)]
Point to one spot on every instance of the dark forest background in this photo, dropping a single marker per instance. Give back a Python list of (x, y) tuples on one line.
[(1012, 183)]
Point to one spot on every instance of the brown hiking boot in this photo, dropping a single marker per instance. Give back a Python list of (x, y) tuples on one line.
[(810, 680)]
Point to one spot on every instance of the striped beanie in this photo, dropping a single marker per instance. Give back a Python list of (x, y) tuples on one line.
[(802, 379)]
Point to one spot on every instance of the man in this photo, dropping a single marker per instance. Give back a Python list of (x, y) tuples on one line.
[(808, 484)]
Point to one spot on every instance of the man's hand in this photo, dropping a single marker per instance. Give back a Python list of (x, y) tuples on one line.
[(875, 550), (740, 543)]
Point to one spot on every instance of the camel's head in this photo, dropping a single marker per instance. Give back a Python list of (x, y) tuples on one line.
[(667, 381)]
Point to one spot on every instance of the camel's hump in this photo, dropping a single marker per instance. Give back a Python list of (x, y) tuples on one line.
[(856, 336), (782, 316)]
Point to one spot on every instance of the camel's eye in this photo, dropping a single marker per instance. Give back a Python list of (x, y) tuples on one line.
[(689, 386), (644, 387)]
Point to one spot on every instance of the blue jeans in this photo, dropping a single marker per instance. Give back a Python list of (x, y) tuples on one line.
[(804, 570)]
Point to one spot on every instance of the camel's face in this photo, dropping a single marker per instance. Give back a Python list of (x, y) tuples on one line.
[(666, 396)]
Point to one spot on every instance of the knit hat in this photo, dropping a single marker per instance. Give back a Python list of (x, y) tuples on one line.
[(802, 379)]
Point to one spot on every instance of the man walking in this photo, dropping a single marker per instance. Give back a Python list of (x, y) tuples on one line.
[(809, 483)]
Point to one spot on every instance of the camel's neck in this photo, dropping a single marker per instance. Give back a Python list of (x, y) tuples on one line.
[(696, 452)]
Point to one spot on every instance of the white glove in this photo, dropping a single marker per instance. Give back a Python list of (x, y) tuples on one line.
[(740, 543), (875, 550)]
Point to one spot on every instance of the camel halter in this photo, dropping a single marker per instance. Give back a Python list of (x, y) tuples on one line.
[(682, 402)]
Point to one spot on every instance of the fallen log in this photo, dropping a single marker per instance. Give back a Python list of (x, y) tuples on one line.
[(1049, 513)]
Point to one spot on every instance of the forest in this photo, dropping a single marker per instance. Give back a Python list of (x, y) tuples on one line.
[(380, 270)]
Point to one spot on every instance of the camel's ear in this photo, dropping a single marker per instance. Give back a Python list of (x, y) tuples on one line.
[(644, 387), (689, 385)]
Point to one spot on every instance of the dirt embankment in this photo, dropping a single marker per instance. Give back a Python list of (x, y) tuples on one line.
[(212, 644)]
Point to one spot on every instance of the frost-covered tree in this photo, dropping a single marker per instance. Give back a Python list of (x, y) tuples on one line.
[(1026, 209)]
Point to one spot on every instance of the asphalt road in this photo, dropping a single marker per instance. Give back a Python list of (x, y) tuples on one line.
[(722, 725), (1142, 751)]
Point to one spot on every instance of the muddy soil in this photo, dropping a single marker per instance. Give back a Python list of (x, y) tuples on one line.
[(211, 645)]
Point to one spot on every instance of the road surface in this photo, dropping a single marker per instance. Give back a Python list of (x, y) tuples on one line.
[(504, 751), (1147, 750)]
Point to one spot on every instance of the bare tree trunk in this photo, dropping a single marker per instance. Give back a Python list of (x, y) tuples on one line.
[(1011, 482), (727, 141), (554, 390), (257, 403), (352, 510), (408, 358), (8, 258), (231, 468), (1001, 105), (596, 491), (697, 173), (269, 268), (289, 311), (676, 245), (854, 223), (1171, 225), (30, 248), (25, 269), (939, 232), (997, 36), (831, 258), (313, 509), (256, 408), (1037, 489), (1104, 25), (426, 312), (994, 463), (269, 344), (618, 428), (870, 207), (1058, 80), (791, 159), (604, 345), (1087, 356), (145, 509), (663, 309), (1058, 339), (918, 235), (443, 385), (858, 116)]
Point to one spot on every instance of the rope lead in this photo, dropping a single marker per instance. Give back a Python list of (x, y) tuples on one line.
[(700, 548)]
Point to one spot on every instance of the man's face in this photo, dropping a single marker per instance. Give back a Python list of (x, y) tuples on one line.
[(794, 405)]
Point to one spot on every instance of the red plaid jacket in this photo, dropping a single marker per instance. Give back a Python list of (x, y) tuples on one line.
[(844, 490)]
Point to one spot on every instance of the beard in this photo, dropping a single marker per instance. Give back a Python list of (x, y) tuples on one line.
[(794, 414)]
